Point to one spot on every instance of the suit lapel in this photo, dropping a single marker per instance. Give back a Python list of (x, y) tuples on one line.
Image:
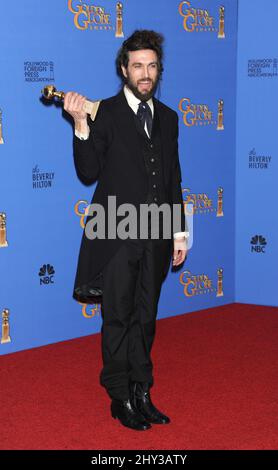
[(124, 121), (163, 123)]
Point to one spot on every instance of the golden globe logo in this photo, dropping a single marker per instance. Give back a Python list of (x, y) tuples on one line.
[(197, 203), (81, 209), (199, 20), (195, 114), (195, 19), (196, 284), (201, 203), (200, 284), (95, 17), (89, 311), (89, 16)]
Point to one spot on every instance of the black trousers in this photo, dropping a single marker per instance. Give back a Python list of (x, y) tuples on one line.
[(132, 282)]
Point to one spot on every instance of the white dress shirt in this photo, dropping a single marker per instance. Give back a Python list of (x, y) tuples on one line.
[(133, 102)]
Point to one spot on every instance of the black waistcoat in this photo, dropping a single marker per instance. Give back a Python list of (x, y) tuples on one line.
[(152, 155)]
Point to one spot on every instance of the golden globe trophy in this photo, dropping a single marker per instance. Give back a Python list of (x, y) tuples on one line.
[(90, 107), (219, 212), (3, 239), (220, 124), (221, 33), (219, 282), (5, 338), (1, 134), (119, 20)]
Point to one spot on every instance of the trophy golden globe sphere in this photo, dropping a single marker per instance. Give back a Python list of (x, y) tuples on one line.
[(49, 92), (90, 107)]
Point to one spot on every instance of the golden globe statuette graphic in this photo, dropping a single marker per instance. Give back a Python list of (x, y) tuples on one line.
[(90, 107), (5, 338), (219, 282), (119, 20), (219, 212), (3, 238), (220, 125), (221, 33), (1, 133)]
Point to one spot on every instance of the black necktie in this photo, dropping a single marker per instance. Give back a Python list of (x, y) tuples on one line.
[(145, 115)]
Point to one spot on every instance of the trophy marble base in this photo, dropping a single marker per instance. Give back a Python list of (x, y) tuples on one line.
[(6, 340)]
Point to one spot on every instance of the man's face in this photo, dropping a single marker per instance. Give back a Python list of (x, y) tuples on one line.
[(142, 73)]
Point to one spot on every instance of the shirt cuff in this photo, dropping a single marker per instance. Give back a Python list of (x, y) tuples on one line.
[(82, 135), (181, 234), (180, 244)]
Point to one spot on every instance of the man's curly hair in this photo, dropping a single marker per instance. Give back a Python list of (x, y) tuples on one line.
[(140, 39)]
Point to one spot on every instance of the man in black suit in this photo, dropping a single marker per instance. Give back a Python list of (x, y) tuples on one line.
[(132, 150)]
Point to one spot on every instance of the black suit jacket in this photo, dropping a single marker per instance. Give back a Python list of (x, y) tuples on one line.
[(112, 155)]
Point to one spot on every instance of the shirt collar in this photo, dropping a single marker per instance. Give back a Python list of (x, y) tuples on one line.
[(133, 101)]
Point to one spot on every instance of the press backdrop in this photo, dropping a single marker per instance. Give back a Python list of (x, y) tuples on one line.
[(74, 45)]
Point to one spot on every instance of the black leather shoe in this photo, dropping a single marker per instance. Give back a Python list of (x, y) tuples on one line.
[(128, 416), (141, 401)]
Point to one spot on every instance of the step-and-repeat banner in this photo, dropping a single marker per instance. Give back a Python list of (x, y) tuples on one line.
[(257, 149), (73, 45)]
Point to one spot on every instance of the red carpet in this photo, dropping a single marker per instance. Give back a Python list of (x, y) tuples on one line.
[(215, 375)]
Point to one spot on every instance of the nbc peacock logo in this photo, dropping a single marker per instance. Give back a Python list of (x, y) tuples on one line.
[(46, 274), (258, 244)]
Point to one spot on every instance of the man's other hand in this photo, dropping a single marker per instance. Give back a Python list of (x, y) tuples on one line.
[(180, 250)]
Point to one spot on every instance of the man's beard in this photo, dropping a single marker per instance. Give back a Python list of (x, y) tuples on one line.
[(142, 96)]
